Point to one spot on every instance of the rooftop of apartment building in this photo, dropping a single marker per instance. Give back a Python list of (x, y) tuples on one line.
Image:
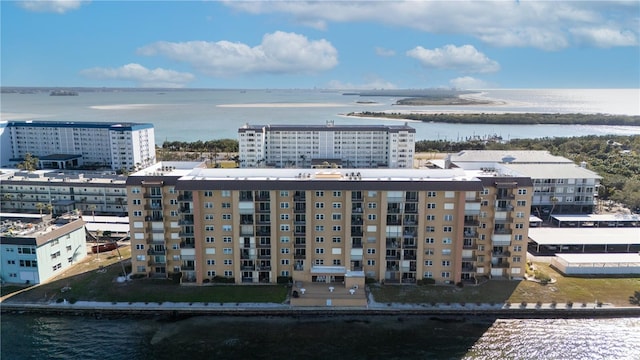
[(62, 176), (118, 126), (15, 228), (508, 156), (329, 126)]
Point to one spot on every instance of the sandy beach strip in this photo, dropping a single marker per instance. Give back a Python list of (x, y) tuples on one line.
[(283, 105)]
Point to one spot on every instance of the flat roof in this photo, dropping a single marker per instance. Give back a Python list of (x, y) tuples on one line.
[(515, 156), (105, 219), (597, 217), (327, 127), (600, 258), (117, 228), (117, 126), (552, 171), (587, 236)]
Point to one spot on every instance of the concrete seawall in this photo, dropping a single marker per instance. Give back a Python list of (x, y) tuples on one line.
[(450, 311)]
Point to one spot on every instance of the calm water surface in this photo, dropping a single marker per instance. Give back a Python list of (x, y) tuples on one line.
[(216, 114), (380, 337)]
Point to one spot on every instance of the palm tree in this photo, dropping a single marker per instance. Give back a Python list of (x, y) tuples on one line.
[(40, 207), (49, 208), (21, 196), (98, 236), (554, 201)]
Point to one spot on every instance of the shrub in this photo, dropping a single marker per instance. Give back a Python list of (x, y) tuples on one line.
[(206, 281), (284, 279), (223, 280), (569, 304), (523, 304), (538, 303), (369, 280), (59, 300), (460, 284), (137, 276), (553, 304)]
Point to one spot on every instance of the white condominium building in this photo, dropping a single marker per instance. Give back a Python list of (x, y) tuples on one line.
[(304, 146), (67, 144)]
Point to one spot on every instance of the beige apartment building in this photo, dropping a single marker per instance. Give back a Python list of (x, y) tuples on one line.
[(329, 225)]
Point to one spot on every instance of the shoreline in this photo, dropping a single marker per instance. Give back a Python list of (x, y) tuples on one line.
[(445, 311)]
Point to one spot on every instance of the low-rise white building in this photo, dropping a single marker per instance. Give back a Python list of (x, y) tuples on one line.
[(36, 248)]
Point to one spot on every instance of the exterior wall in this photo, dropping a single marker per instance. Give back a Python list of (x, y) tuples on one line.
[(449, 234), (355, 147), (112, 145)]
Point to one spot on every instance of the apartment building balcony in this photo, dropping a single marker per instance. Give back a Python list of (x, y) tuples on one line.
[(471, 222), (503, 220), (264, 244), (392, 243), (409, 234), (410, 220), (187, 245), (501, 254), (300, 244), (356, 268), (156, 261), (187, 267), (470, 246), (410, 208), (394, 220), (264, 256), (299, 209), (502, 231), (263, 196), (155, 241), (356, 231), (356, 244), (152, 207), (393, 210), (470, 234), (156, 252), (182, 222), (409, 256), (393, 256), (500, 265), (184, 197), (149, 195), (505, 196), (263, 268), (153, 218), (356, 210), (300, 256), (245, 197), (356, 220), (410, 244), (185, 210), (300, 198)]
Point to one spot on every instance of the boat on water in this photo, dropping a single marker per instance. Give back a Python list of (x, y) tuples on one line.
[(104, 247), (63, 93)]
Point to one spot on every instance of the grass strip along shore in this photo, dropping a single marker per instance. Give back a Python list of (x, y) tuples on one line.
[(96, 281)]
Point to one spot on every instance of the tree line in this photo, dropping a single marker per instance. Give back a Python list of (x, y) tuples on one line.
[(512, 118)]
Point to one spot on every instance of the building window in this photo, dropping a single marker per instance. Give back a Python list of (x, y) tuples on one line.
[(227, 239), (226, 193), (517, 248), (211, 273), (319, 250), (211, 262), (372, 205), (284, 273), (137, 213), (228, 261), (319, 261), (336, 239), (517, 237), (521, 203), (447, 228), (139, 246), (445, 274), (371, 251), (519, 226), (284, 216), (448, 217), (431, 194), (284, 227), (371, 217), (284, 239), (208, 216), (336, 205), (208, 228), (431, 217), (210, 239), (319, 193), (228, 273), (284, 251), (319, 228), (319, 205), (522, 191), (431, 205), (319, 239), (336, 216), (227, 251), (371, 262), (226, 205), (226, 216), (516, 259), (428, 263), (319, 216), (446, 251), (446, 263), (429, 240), (446, 240), (226, 227), (208, 205), (430, 229), (284, 262), (428, 275), (208, 193), (284, 193), (284, 205)]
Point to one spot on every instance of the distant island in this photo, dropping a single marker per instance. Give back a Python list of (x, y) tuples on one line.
[(63, 93), (424, 97), (509, 118)]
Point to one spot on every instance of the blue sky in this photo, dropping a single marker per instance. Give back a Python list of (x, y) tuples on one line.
[(329, 44)]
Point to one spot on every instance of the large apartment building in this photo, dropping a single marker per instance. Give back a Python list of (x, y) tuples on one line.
[(66, 144), (391, 225), (302, 146)]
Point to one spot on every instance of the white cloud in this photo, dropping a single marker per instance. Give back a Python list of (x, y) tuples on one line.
[(142, 76), (541, 24), (463, 58), (605, 37), (55, 6), (468, 82), (380, 51), (279, 53)]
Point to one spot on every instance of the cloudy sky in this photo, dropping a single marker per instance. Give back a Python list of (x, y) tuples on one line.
[(328, 44)]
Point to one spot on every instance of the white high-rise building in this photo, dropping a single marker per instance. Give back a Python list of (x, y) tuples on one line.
[(353, 146), (66, 144)]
